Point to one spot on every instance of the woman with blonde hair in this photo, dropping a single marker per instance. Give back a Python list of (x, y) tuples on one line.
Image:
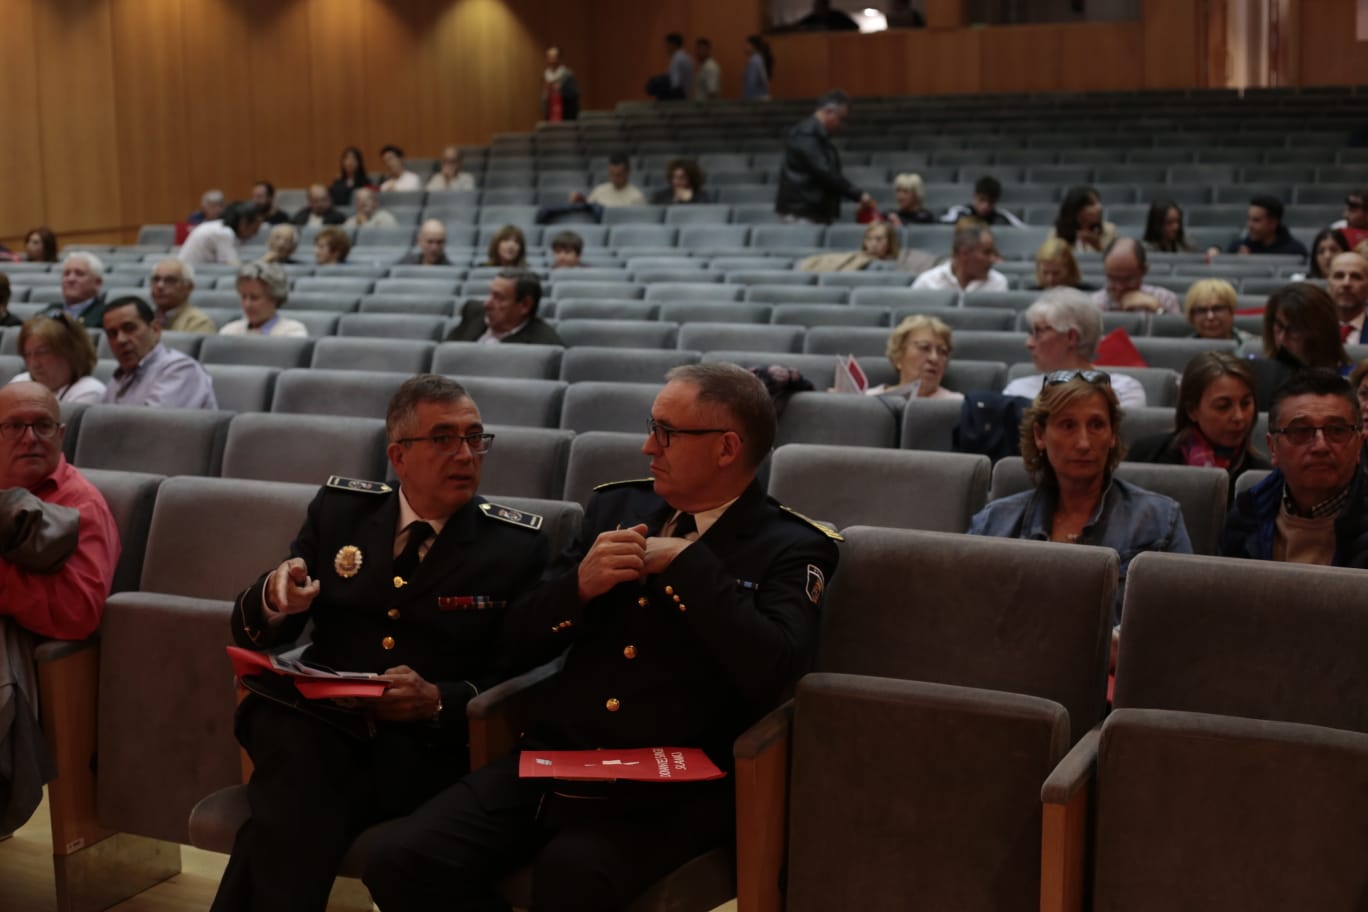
[(59, 354), (1209, 306), (919, 350), (1056, 265)]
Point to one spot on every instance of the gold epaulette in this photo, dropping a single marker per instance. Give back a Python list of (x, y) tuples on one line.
[(626, 481), (820, 527)]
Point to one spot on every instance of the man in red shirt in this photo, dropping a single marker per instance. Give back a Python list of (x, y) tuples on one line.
[(59, 543)]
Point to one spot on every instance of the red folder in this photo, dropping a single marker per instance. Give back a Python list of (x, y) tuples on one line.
[(312, 683), (643, 764)]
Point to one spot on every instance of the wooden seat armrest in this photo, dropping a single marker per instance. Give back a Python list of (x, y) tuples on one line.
[(52, 650), (497, 717), (1067, 797), (68, 697), (762, 774)]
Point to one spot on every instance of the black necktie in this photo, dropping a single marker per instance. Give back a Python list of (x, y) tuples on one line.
[(685, 526), (406, 564)]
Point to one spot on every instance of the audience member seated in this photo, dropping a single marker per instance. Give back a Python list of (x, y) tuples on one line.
[(983, 206), (1349, 288), (320, 211), (909, 192), (450, 176), (919, 350), (1071, 444), (1329, 243), (351, 176), (509, 314), (149, 373), (1126, 265), (1164, 232), (212, 204), (1212, 422), (61, 548), (331, 246), (566, 249), (1064, 328), (40, 245), (59, 354), (718, 588), (431, 246), (281, 243), (1265, 231), (811, 184), (264, 195), (370, 557), (617, 190), (1354, 225), (171, 283), (759, 64), (6, 318), (1359, 381), (1080, 221), (685, 184), (878, 250), (1313, 508), (1301, 329), (397, 175), (970, 267), (368, 211), (82, 276), (263, 289), (1210, 308), (1056, 266), (507, 248), (219, 240)]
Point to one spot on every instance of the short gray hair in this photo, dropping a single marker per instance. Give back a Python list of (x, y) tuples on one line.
[(742, 394), (1064, 309), (212, 196), (187, 272), (401, 415), (270, 275), (93, 263)]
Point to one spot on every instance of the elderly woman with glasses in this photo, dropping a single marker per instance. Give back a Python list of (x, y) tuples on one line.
[(59, 354), (1064, 326), (1071, 445), (263, 289), (919, 350), (1209, 306)]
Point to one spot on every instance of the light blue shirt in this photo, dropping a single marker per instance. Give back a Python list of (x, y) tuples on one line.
[(755, 80), (165, 378), (681, 73)]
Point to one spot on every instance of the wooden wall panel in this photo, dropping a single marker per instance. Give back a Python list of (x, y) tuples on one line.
[(219, 127), (1175, 44), (945, 63), (81, 172), (280, 144), (337, 42), (1099, 58), (1328, 53), (149, 61), (21, 151), (870, 64), (1022, 58), (802, 67)]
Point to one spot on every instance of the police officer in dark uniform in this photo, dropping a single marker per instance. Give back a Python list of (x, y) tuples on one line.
[(690, 605), (411, 584)]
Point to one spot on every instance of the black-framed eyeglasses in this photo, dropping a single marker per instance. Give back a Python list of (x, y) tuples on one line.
[(449, 443), (1304, 434), (663, 432), (1095, 377), (43, 429)]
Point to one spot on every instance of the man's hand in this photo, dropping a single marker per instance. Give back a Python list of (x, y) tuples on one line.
[(289, 590), (660, 552), (408, 698), (615, 557)]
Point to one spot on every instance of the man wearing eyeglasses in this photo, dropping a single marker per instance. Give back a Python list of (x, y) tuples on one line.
[(1313, 509), (410, 584), (689, 606), (171, 284), (59, 546)]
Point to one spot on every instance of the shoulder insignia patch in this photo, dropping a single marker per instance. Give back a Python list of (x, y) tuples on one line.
[(521, 518), (820, 527), (816, 583), (358, 485), (608, 485)]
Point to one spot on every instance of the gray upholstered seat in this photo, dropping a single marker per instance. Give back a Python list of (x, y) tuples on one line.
[(525, 462), (618, 333), (472, 359), (243, 387), (622, 365), (130, 496), (305, 449), (850, 421), (780, 339), (516, 401), (162, 441), (401, 355), (599, 457), (608, 406), (903, 489), (318, 391), (258, 350), (393, 326), (928, 424)]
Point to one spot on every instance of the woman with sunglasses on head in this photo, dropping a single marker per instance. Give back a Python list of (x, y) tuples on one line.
[(1213, 421), (1301, 329), (1080, 222), (1071, 445), (1063, 328)]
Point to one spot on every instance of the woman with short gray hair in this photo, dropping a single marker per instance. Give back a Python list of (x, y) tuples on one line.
[(1063, 327), (263, 289)]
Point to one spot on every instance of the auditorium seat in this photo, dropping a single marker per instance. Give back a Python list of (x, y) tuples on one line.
[(405, 356), (393, 326), (305, 449), (780, 339), (590, 309), (242, 387), (525, 462), (690, 286), (601, 290), (130, 496), (260, 351), (844, 420), (318, 391), (790, 294), (592, 405), (623, 365), (600, 457), (514, 400), (161, 441), (618, 333), (846, 340), (530, 362), (808, 315), (928, 424), (902, 489)]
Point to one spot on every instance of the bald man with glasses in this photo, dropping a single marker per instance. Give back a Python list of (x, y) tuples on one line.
[(689, 606), (1313, 509)]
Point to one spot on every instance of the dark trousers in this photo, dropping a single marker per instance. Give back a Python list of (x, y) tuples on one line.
[(594, 852), (313, 789)]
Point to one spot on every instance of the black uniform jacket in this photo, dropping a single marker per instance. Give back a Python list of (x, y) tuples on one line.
[(442, 623), (690, 657)]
